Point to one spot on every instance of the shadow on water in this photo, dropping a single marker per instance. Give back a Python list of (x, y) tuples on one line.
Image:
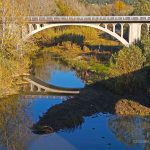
[(94, 99)]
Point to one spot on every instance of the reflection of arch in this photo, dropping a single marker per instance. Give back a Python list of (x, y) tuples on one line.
[(33, 31)]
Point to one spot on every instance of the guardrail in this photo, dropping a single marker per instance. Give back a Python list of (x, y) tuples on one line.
[(88, 18)]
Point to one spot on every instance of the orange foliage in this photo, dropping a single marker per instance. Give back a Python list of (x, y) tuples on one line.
[(119, 5)]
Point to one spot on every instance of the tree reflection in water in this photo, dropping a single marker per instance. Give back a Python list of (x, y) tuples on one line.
[(14, 133), (45, 65), (131, 130)]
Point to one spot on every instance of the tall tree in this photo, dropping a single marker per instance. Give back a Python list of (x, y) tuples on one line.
[(142, 7), (65, 10)]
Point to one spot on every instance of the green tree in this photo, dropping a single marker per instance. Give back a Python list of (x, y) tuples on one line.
[(142, 7), (146, 47), (124, 67)]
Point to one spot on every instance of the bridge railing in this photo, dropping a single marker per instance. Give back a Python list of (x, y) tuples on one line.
[(88, 18)]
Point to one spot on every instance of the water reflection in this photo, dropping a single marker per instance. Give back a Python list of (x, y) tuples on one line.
[(76, 126), (131, 130), (14, 123), (51, 70), (45, 66)]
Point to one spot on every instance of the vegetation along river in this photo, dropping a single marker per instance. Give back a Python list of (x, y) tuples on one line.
[(78, 129)]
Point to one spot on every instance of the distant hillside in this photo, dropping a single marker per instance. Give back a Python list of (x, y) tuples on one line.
[(77, 7)]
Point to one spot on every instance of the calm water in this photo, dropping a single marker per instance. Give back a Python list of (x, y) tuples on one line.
[(99, 131)]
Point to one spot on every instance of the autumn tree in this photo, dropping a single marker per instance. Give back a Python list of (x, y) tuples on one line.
[(119, 5), (65, 10), (12, 51)]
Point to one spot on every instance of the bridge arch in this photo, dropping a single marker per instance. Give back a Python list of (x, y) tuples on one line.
[(33, 30)]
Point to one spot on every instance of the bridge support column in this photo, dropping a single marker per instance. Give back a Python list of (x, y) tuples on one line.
[(39, 89), (38, 26), (134, 32), (122, 31), (114, 27), (31, 28), (106, 25), (32, 87)]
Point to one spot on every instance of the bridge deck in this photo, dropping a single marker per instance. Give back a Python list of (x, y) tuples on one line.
[(87, 19)]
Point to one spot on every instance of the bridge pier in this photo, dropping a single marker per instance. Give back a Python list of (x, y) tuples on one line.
[(106, 25), (38, 26), (31, 87), (31, 28), (114, 27), (134, 32), (39, 89), (122, 29)]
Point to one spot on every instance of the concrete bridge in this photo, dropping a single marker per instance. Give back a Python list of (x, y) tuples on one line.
[(36, 24), (38, 86)]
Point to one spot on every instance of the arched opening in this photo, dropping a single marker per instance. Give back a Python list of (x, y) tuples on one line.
[(110, 27), (41, 25), (35, 26), (118, 29), (106, 30), (126, 31), (102, 25)]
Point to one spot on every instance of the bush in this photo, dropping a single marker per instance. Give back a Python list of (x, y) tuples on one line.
[(146, 48), (126, 70)]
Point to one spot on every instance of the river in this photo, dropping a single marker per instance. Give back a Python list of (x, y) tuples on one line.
[(98, 131)]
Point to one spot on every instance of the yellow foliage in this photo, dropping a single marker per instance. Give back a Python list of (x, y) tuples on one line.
[(119, 5), (65, 9)]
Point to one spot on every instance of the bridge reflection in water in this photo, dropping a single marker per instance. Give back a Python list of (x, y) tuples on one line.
[(39, 87)]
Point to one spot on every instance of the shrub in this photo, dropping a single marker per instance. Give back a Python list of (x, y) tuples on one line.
[(126, 70)]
